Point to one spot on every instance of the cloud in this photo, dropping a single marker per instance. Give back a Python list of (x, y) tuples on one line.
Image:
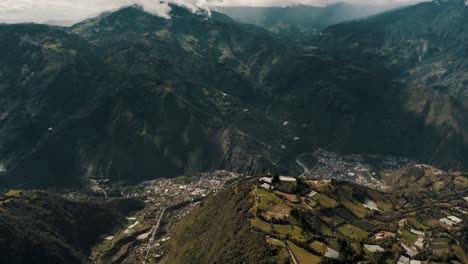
[(44, 10), (308, 2)]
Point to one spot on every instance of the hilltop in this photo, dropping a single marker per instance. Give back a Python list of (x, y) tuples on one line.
[(287, 218)]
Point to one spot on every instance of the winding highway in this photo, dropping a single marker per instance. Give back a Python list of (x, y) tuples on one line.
[(300, 163)]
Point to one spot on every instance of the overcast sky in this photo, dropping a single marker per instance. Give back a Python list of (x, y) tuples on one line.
[(43, 10)]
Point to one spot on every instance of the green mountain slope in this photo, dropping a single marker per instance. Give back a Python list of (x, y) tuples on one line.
[(149, 97), (322, 222), (423, 44), (43, 228), (226, 237)]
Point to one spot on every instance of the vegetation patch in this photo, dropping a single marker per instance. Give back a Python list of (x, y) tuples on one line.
[(303, 256), (352, 231), (325, 201)]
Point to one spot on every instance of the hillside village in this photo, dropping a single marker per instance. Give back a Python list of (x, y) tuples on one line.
[(320, 221), (147, 234), (313, 221)]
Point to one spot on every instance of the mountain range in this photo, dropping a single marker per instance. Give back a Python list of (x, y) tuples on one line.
[(299, 21), (132, 96), (425, 44)]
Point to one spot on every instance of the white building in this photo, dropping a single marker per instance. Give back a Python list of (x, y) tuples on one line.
[(403, 260), (266, 186), (331, 253), (287, 179), (446, 221), (374, 248), (266, 179), (419, 243), (455, 219), (417, 232)]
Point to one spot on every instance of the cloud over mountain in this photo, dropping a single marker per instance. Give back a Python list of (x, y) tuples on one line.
[(45, 10)]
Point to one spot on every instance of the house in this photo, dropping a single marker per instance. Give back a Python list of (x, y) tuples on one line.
[(402, 222), (419, 243), (266, 186), (403, 260), (331, 253), (287, 179), (417, 232), (446, 221), (374, 248), (455, 219), (266, 179)]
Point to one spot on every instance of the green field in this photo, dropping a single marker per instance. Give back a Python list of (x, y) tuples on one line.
[(352, 231), (13, 193), (325, 201), (319, 247), (303, 256), (416, 224), (259, 223), (357, 210), (408, 237), (292, 230)]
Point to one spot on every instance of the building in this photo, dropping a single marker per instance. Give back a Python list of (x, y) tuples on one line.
[(287, 179), (266, 179), (454, 219), (417, 232), (403, 260), (419, 243), (331, 253), (446, 221), (374, 248), (266, 186)]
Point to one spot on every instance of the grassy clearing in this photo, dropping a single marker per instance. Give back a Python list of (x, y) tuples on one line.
[(416, 224), (14, 193), (357, 210), (303, 256), (319, 247), (266, 200), (461, 182), (325, 201), (380, 200), (292, 230), (408, 237), (278, 211), (262, 225), (353, 232), (290, 197), (325, 230), (284, 230)]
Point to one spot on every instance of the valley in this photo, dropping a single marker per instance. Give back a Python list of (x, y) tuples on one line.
[(323, 215)]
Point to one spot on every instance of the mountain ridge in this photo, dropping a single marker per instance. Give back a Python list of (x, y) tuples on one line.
[(168, 97)]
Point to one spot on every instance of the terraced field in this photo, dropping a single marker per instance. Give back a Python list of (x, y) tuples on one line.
[(342, 216)]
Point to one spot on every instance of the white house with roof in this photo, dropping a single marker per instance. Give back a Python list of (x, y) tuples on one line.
[(454, 219)]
